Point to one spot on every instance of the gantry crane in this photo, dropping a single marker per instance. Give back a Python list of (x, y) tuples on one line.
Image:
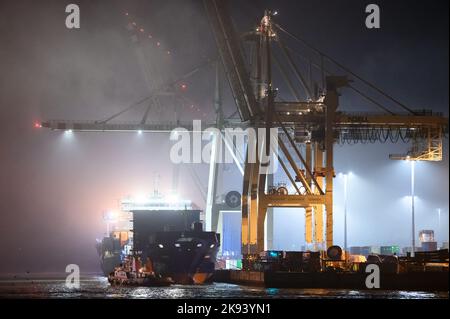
[(316, 122), (308, 126)]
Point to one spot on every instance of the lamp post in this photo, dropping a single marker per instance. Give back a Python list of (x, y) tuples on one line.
[(439, 222), (345, 211), (413, 229), (346, 176)]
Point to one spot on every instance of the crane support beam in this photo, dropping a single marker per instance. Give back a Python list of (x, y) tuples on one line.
[(230, 53), (91, 126), (294, 166), (293, 200), (309, 209), (406, 121), (341, 121)]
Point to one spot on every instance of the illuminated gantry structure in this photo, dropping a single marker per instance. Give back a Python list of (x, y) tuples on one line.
[(308, 125)]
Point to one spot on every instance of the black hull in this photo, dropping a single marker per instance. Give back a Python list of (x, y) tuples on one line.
[(186, 257)]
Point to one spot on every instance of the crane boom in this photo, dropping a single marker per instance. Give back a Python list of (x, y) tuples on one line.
[(230, 53)]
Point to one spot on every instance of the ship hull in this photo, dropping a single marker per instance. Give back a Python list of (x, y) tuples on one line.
[(180, 259), (186, 257)]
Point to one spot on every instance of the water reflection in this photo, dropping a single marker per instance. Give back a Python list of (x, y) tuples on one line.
[(98, 287)]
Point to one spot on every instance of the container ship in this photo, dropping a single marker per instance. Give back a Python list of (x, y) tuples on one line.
[(165, 234)]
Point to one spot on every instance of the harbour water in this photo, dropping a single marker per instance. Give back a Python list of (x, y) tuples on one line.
[(95, 286)]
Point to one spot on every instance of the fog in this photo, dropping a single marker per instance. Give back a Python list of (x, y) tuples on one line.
[(55, 187)]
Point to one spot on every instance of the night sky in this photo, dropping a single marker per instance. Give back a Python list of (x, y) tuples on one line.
[(54, 188)]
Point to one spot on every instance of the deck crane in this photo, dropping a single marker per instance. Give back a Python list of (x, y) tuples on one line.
[(308, 126)]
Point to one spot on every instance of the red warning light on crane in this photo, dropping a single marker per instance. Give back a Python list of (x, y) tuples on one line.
[(37, 125)]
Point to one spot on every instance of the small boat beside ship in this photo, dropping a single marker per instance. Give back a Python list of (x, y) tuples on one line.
[(132, 273)]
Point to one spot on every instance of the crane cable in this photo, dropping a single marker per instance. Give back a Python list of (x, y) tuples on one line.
[(154, 92), (326, 71)]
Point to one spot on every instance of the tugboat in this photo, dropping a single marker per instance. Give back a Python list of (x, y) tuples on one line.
[(131, 274)]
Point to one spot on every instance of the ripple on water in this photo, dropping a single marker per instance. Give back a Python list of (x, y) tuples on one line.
[(98, 287)]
